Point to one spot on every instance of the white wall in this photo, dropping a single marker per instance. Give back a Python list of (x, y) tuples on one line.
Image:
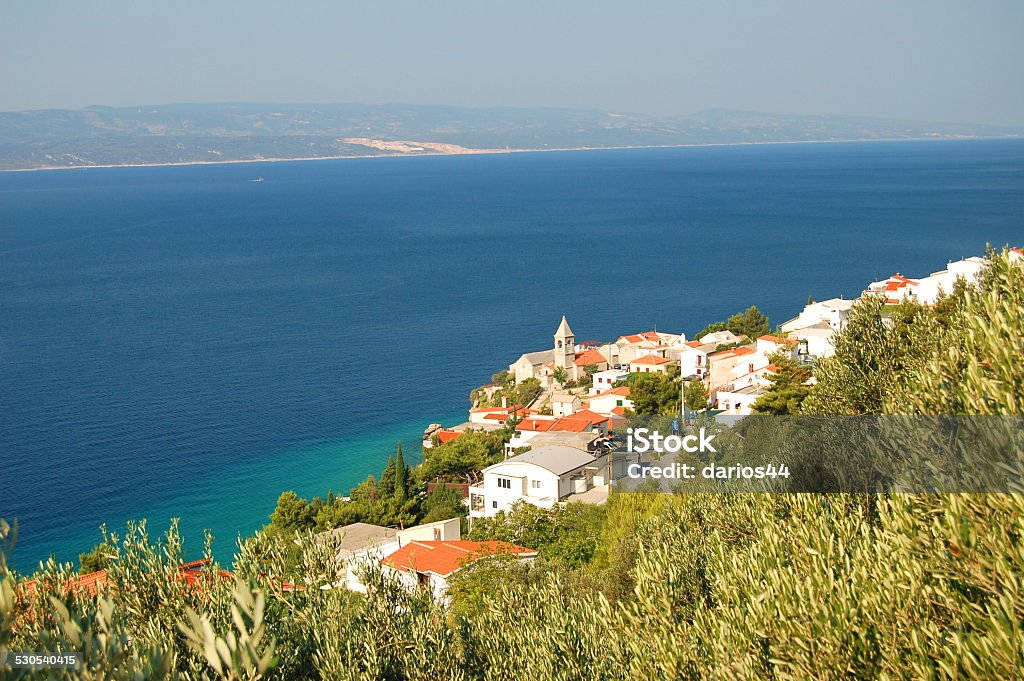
[(527, 482), (605, 380), (693, 362), (737, 403), (605, 403)]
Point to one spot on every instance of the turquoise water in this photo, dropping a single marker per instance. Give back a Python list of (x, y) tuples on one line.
[(181, 341), (243, 495)]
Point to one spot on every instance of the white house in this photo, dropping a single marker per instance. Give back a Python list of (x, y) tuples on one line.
[(928, 289), (604, 380), (750, 380), (893, 290), (359, 544), (651, 364), (497, 416), (693, 358), (725, 365), (833, 313), (739, 401), (818, 340), (720, 338), (432, 563), (636, 345), (613, 401), (542, 477), (585, 441), (937, 283), (531, 365), (769, 345), (563, 403)]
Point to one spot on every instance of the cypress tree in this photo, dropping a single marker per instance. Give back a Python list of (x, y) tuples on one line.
[(401, 476), (388, 478)]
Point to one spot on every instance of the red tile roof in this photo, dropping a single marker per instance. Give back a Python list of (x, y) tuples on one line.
[(735, 352), (651, 359), (445, 557), (578, 422), (778, 339), (898, 281), (640, 337), (589, 357), (93, 583), (621, 391), (536, 425), (447, 435)]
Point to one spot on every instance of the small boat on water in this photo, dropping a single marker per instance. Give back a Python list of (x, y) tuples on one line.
[(257, 179)]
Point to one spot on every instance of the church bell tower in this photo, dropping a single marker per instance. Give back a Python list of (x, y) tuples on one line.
[(565, 346)]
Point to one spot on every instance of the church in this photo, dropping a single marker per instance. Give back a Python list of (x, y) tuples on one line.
[(564, 354)]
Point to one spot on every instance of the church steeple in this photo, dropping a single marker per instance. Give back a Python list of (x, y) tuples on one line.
[(563, 329), (565, 345)]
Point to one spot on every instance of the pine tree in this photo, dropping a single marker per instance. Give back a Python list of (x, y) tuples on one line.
[(750, 323)]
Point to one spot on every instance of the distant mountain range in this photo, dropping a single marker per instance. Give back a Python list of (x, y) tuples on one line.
[(191, 133)]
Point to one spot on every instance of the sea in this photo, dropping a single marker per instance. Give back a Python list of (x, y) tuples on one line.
[(185, 342)]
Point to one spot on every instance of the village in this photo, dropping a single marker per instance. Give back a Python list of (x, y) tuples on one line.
[(563, 447)]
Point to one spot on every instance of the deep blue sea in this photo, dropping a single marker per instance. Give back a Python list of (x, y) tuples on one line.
[(182, 341)]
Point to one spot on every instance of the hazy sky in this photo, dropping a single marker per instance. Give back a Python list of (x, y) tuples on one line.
[(930, 60)]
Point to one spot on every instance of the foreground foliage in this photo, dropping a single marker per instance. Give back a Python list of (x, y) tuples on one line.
[(741, 586)]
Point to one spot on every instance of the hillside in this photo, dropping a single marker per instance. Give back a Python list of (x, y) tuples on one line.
[(190, 133)]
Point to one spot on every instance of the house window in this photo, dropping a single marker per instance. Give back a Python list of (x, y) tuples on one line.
[(618, 403), (504, 483), (494, 504), (700, 360), (535, 484)]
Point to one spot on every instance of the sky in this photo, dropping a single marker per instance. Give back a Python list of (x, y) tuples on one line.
[(935, 60)]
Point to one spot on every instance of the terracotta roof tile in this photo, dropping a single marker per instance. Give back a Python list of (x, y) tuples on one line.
[(589, 357), (651, 359), (445, 557)]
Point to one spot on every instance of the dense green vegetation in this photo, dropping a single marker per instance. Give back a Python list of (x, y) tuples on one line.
[(750, 323), (696, 395), (744, 586), (788, 388), (654, 394)]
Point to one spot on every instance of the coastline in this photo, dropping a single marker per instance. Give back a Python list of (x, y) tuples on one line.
[(491, 152)]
